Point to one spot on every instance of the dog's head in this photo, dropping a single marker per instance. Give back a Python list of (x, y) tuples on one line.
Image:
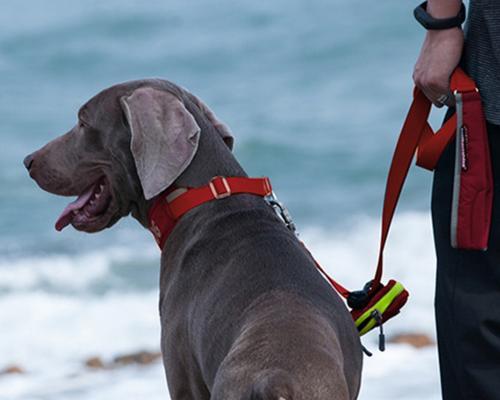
[(131, 142)]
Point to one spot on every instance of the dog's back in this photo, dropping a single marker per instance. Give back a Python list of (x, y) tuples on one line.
[(260, 320)]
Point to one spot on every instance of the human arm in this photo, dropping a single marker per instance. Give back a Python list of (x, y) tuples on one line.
[(440, 53)]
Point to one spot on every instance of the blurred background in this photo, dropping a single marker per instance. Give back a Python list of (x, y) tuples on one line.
[(315, 93)]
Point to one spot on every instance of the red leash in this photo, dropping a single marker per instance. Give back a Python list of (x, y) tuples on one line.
[(375, 303), (416, 136)]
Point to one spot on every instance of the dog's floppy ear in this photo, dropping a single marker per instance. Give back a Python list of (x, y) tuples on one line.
[(164, 137)]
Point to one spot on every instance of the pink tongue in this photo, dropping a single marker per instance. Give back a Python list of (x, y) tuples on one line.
[(67, 215)]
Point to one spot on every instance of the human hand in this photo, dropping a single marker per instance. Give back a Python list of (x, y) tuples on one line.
[(439, 56)]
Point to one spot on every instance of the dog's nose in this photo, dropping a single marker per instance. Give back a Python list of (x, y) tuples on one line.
[(28, 161)]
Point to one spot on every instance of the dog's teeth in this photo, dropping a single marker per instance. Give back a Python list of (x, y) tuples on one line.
[(101, 187), (97, 195)]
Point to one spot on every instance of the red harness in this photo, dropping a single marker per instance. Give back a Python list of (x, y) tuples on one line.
[(169, 207)]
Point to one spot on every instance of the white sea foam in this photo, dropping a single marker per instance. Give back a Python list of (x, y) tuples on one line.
[(74, 273), (51, 333), (40, 329), (57, 270)]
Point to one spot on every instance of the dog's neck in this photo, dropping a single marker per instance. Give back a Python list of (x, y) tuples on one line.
[(213, 158)]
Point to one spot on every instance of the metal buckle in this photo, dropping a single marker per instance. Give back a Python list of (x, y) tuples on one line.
[(282, 212), (214, 191)]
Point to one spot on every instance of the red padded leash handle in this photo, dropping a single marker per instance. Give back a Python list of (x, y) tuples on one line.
[(416, 136), (433, 144)]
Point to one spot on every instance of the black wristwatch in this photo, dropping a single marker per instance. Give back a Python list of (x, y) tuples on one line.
[(431, 23)]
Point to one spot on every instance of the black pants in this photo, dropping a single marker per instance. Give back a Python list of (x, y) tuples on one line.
[(467, 299)]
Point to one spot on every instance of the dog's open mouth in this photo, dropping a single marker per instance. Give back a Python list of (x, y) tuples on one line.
[(88, 207)]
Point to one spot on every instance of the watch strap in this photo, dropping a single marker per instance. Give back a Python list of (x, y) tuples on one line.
[(431, 23)]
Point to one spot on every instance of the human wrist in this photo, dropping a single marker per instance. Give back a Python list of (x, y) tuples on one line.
[(446, 37), (444, 34), (443, 8)]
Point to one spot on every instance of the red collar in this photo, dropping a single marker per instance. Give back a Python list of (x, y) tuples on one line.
[(173, 204)]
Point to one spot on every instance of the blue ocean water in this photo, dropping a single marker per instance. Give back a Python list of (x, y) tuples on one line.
[(315, 94)]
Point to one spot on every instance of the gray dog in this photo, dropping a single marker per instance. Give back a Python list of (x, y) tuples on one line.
[(244, 312)]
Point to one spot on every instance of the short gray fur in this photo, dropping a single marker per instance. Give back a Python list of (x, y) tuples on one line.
[(244, 312)]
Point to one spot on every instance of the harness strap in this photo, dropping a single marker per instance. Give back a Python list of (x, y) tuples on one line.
[(165, 212), (219, 188)]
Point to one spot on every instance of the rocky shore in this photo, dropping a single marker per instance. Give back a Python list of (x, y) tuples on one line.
[(145, 357), (142, 358), (139, 358)]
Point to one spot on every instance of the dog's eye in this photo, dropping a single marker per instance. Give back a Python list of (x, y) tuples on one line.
[(91, 136)]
